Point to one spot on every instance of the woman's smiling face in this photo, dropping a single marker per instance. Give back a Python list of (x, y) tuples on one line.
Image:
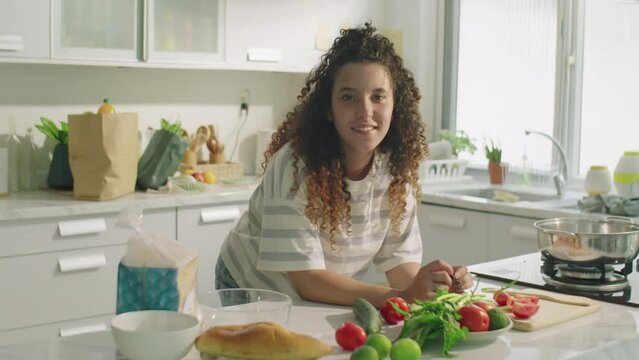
[(361, 107)]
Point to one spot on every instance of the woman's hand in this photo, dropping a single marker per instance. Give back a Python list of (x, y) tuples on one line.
[(435, 275)]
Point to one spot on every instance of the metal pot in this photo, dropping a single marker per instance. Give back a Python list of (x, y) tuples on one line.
[(612, 240)]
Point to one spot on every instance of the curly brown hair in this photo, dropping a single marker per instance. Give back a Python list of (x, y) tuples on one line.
[(315, 140)]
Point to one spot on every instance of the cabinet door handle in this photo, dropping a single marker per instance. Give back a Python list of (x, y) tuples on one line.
[(145, 31), (219, 214), (523, 232), (83, 329), (448, 221), (80, 227), (81, 262), (11, 43)]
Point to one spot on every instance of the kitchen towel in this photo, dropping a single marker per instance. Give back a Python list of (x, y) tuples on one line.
[(103, 154), (610, 204)]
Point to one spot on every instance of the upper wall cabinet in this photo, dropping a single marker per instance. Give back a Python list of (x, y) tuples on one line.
[(290, 35), (164, 31), (24, 29)]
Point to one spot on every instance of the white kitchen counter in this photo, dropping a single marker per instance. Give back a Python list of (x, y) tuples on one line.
[(43, 204), (612, 333)]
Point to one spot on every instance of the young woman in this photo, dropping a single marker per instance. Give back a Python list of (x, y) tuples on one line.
[(340, 188)]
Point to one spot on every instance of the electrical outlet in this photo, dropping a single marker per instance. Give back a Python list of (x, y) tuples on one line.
[(245, 98)]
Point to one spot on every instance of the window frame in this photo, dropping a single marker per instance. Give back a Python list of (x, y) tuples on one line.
[(568, 83)]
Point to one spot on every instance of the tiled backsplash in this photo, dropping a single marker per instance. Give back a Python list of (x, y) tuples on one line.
[(195, 97)]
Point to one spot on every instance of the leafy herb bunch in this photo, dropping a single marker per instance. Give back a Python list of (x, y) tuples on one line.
[(51, 130)]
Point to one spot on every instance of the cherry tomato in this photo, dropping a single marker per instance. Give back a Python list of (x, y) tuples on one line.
[(502, 298), (389, 313), (524, 309), (350, 336), (485, 304), (526, 298), (474, 318)]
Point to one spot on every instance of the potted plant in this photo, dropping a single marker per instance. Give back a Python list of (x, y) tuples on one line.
[(59, 171), (496, 170), (459, 141)]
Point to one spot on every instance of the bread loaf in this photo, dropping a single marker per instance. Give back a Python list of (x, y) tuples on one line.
[(260, 341)]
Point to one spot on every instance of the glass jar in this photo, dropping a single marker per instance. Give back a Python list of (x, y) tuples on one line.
[(598, 180), (626, 175)]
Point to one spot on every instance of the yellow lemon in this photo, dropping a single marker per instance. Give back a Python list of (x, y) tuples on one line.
[(187, 172), (106, 108), (209, 177)]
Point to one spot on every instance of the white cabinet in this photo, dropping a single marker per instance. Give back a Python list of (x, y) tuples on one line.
[(203, 229), (468, 237), (60, 274), (290, 35), (510, 236), (191, 31), (24, 28), (454, 235)]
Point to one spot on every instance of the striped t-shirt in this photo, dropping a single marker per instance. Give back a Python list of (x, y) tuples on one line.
[(274, 236)]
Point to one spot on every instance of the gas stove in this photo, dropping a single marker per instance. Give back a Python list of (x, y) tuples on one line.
[(600, 281)]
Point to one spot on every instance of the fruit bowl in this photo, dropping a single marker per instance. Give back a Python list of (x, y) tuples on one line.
[(487, 336), (243, 306)]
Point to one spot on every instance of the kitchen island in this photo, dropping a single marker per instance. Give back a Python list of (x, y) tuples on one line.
[(611, 333)]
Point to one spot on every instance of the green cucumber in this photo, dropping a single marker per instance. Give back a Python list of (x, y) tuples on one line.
[(367, 315)]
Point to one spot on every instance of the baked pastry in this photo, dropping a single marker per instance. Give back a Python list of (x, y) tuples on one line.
[(259, 341)]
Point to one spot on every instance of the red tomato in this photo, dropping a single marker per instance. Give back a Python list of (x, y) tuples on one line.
[(389, 313), (526, 298), (474, 318), (524, 309), (485, 304), (502, 298), (350, 336)]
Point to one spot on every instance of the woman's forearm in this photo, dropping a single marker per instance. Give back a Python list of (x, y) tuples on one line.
[(330, 287)]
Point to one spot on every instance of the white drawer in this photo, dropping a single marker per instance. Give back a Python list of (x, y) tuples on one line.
[(34, 236), (58, 286), (48, 331)]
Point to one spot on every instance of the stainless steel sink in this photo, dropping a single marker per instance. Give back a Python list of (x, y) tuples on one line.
[(498, 194)]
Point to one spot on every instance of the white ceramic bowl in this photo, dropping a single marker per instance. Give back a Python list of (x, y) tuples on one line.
[(154, 334), (243, 306)]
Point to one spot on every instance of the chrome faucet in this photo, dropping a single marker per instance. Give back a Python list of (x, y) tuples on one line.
[(560, 178)]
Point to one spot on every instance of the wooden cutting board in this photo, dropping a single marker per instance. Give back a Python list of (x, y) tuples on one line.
[(553, 311)]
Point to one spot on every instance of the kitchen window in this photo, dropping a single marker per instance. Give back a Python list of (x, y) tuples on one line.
[(565, 68)]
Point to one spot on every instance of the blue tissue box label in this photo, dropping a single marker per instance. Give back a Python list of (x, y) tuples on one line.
[(147, 288)]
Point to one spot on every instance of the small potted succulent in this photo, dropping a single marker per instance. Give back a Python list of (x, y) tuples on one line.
[(59, 171), (496, 170)]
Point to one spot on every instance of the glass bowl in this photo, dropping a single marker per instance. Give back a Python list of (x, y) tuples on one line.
[(243, 306)]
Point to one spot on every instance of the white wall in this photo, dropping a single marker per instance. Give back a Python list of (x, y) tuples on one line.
[(196, 97)]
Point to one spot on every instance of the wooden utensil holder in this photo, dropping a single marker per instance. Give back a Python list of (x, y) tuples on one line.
[(217, 158)]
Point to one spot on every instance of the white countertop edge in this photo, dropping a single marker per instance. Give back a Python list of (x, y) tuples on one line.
[(44, 204)]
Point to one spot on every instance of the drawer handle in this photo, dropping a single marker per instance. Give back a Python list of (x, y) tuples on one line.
[(80, 227), (11, 43), (523, 232), (81, 262), (220, 214), (84, 329), (447, 221)]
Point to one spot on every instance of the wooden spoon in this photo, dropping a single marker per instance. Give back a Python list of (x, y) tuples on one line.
[(211, 144)]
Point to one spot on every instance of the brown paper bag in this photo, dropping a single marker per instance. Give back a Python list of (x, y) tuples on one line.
[(103, 154)]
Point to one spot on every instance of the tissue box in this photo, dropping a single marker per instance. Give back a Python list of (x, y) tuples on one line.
[(157, 273), (153, 288)]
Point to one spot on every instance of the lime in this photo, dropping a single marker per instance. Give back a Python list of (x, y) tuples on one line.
[(405, 349), (381, 343), (365, 352), (498, 319)]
